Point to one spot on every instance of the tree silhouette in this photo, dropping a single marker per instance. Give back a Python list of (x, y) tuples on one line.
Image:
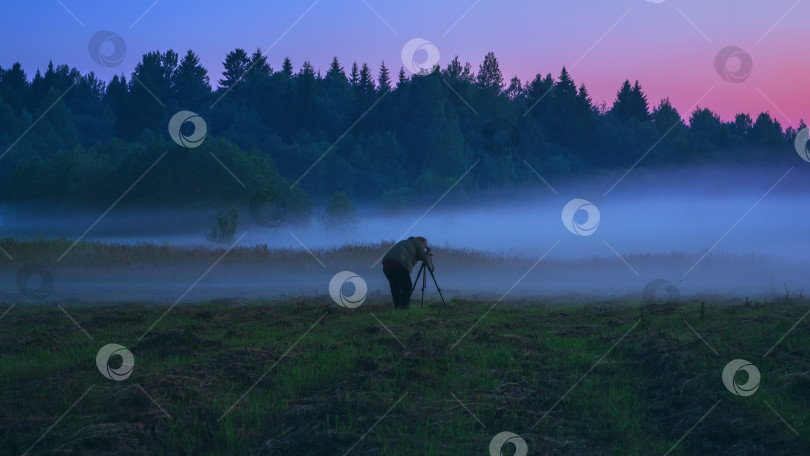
[(490, 79), (630, 103), (236, 65), (190, 82), (269, 127)]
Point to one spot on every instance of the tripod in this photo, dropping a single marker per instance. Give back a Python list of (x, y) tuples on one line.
[(423, 270)]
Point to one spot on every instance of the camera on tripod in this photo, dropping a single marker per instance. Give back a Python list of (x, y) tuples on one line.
[(424, 269)]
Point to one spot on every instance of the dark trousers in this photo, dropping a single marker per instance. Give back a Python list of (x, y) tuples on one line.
[(400, 281)]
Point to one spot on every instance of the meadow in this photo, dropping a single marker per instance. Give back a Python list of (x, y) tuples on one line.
[(307, 377)]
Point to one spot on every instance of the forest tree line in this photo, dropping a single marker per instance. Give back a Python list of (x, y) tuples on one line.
[(417, 134)]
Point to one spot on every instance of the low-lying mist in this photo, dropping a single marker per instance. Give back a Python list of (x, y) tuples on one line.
[(727, 233)]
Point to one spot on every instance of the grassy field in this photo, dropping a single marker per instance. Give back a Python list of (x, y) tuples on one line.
[(310, 378)]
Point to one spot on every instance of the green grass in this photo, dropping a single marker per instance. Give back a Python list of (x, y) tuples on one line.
[(518, 365)]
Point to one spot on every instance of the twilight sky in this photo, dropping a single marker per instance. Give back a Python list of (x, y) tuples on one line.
[(668, 45)]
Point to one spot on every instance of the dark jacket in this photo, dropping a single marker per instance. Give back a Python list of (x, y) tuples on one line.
[(407, 252)]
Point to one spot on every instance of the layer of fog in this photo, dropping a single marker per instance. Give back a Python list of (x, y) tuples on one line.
[(751, 226)]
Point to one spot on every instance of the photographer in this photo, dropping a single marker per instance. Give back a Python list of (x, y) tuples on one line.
[(398, 264)]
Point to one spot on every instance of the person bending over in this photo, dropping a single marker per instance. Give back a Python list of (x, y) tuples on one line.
[(398, 264)]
